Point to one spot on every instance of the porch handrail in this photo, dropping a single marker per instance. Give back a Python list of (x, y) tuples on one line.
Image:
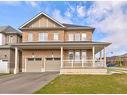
[(85, 63)]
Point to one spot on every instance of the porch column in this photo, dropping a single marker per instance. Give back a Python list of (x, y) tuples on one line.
[(16, 60), (25, 63), (104, 57), (61, 57), (101, 56), (93, 56)]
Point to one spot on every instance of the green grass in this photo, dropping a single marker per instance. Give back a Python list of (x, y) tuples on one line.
[(86, 84), (2, 74)]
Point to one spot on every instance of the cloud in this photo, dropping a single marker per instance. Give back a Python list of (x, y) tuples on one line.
[(111, 20), (34, 4), (11, 3), (58, 16), (82, 12)]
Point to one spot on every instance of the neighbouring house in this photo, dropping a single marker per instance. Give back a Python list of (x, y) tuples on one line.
[(8, 36), (48, 45), (120, 60)]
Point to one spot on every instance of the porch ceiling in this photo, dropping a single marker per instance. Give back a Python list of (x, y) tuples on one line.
[(66, 45)]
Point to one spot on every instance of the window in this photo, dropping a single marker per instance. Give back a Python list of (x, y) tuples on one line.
[(71, 55), (30, 37), (83, 55), (57, 59), (77, 37), (55, 36), (77, 55), (10, 39), (30, 59), (43, 36), (83, 36), (70, 37), (38, 59), (49, 59)]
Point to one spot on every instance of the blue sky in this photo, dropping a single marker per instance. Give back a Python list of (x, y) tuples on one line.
[(109, 18)]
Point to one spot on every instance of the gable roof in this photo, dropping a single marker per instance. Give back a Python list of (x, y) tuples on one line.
[(41, 13), (8, 29)]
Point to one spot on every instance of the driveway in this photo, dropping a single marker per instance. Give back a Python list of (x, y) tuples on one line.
[(25, 83)]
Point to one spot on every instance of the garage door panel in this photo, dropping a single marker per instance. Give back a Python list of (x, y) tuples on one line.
[(4, 66), (52, 66), (34, 65)]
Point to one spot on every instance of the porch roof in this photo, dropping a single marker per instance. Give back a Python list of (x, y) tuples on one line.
[(66, 45)]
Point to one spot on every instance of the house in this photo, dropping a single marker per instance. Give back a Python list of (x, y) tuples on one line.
[(120, 60), (8, 36), (48, 45)]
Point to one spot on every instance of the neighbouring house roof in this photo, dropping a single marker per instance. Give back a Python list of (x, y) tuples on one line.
[(9, 30)]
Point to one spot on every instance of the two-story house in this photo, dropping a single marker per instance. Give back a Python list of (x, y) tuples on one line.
[(48, 45), (8, 36)]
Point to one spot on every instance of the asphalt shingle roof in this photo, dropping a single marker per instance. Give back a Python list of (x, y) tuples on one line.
[(77, 26), (9, 29)]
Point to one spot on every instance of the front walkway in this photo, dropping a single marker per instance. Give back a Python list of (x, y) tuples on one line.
[(24, 83)]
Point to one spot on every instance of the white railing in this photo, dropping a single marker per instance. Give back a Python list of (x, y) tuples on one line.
[(83, 63)]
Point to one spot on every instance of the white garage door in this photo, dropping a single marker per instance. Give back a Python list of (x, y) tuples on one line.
[(52, 64), (34, 64), (4, 66)]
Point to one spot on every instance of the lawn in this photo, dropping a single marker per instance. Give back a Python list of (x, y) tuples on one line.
[(2, 74), (86, 84)]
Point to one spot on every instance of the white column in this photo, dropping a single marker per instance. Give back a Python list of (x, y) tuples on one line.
[(61, 57), (72, 63), (25, 63), (104, 57), (82, 63), (44, 64), (101, 57), (16, 60), (93, 56)]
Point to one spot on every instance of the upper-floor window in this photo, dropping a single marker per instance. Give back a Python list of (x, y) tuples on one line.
[(30, 37), (43, 36), (70, 37), (77, 36), (83, 36), (10, 39), (56, 36)]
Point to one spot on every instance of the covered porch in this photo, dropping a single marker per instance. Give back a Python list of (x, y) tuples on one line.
[(64, 62)]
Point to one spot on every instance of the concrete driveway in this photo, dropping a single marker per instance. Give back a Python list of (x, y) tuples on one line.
[(25, 83)]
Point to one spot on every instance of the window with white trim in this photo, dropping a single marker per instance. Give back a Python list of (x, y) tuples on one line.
[(10, 39), (84, 37), (77, 36), (77, 55), (70, 37), (56, 36), (30, 37), (43, 36), (71, 55), (83, 55)]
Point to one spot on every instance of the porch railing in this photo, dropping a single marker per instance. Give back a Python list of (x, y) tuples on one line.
[(83, 63)]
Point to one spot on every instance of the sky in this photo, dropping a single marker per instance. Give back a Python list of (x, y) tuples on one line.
[(108, 17)]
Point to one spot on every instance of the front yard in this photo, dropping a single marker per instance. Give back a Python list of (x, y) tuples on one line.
[(85, 84), (2, 74)]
